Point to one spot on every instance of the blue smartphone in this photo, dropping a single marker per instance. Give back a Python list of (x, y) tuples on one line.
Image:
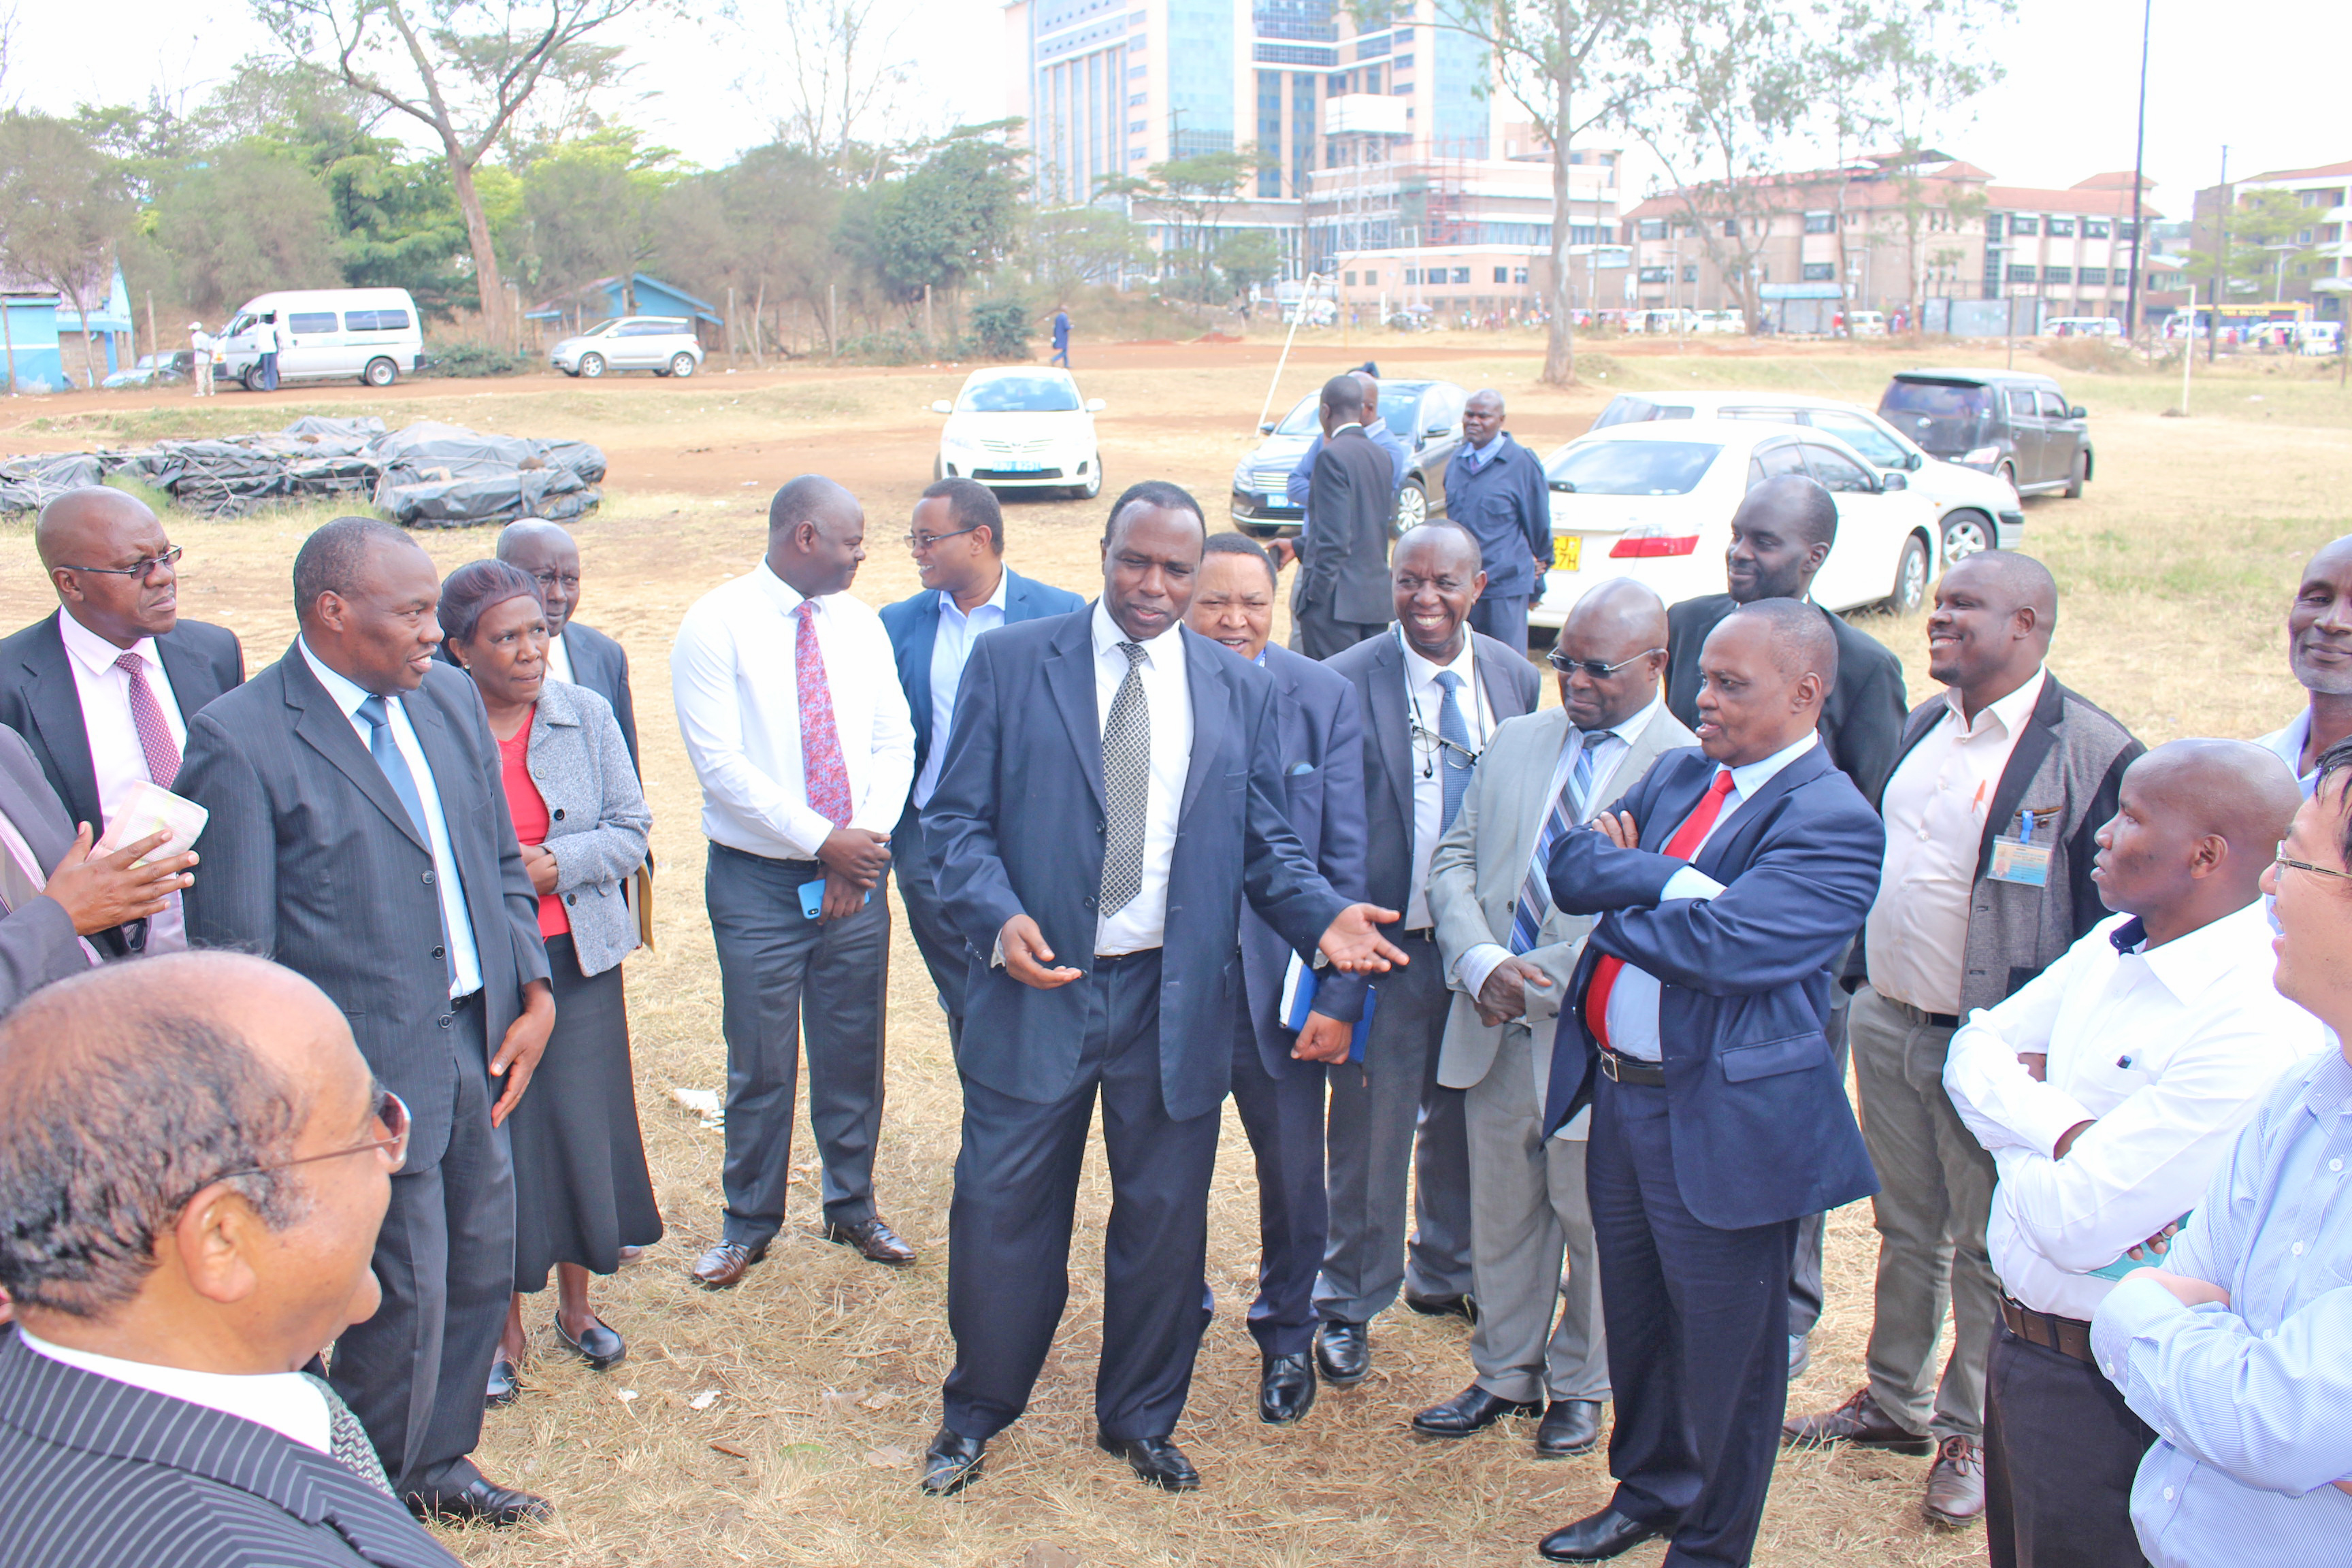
[(813, 898)]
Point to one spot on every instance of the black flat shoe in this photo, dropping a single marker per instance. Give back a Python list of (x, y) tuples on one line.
[(1461, 1307), (480, 1502), (600, 1347), (1596, 1539), (505, 1388), (1285, 1389), (1471, 1410), (1343, 1353), (952, 1463), (1570, 1427), (1156, 1461)]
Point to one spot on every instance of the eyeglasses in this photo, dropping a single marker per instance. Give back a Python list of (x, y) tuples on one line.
[(2279, 859), (390, 1109), (140, 570), (1593, 667), (1430, 743), (919, 543)]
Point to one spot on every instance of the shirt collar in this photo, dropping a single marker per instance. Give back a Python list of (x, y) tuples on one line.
[(348, 693), (1419, 671), (2327, 1082), (783, 595), (1351, 425), (994, 602), (1156, 650), (2192, 964), (2289, 743), (2012, 710), (1486, 454), (1749, 777), (1631, 730), (93, 652)]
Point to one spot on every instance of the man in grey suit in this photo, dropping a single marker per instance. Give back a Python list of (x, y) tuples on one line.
[(1341, 593), (1509, 955), (578, 654), (1432, 691), (360, 836)]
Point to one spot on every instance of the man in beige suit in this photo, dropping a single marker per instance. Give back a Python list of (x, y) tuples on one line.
[(1510, 956)]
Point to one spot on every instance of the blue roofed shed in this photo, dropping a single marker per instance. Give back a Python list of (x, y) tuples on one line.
[(639, 294)]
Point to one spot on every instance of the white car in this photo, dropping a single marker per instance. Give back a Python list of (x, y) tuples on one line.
[(1654, 501), (371, 335), (1021, 427), (664, 345), (1974, 510)]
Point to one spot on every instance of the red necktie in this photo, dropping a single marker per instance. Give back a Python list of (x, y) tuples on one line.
[(823, 772), (147, 718), (1682, 846)]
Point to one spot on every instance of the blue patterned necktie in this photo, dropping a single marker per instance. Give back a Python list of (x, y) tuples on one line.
[(386, 752), (1567, 811), (1453, 759)]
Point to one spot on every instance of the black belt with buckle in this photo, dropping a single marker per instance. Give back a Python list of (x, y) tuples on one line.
[(1632, 1069), (2067, 1336)]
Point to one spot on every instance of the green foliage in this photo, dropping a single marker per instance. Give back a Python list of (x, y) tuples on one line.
[(1069, 247), (2264, 245), (901, 345), (467, 362), (248, 219), (590, 207), (1000, 327), (1251, 255), (956, 214)]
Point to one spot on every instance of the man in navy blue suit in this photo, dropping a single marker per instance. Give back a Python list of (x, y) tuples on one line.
[(1278, 1072), (1113, 791), (958, 538), (1728, 881)]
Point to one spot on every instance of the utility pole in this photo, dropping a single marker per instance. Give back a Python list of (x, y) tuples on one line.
[(2140, 155), (2221, 262)]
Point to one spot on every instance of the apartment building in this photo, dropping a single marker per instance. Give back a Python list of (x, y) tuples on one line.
[(2318, 270)]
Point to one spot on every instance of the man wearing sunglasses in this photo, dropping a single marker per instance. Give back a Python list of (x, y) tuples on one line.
[(103, 690), (194, 1159)]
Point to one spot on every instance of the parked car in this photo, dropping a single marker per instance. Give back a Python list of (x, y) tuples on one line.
[(1426, 415), (1866, 324), (1021, 427), (332, 334), (1654, 501), (664, 345), (1974, 510), (2084, 326), (155, 370), (2012, 424)]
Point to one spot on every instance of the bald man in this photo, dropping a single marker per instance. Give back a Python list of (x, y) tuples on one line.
[(1495, 489), (1508, 955), (102, 690), (1997, 788), (2108, 1090), (575, 652), (1728, 882), (2319, 652), (788, 701)]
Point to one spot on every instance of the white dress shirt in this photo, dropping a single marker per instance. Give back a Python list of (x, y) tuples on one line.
[(284, 1402), (464, 960), (2166, 1051), (116, 758), (1168, 690), (951, 651), (733, 673), (558, 661), (1936, 805), (2289, 743), (1632, 1016), (1424, 700)]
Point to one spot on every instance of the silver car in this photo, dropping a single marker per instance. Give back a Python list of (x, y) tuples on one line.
[(664, 345)]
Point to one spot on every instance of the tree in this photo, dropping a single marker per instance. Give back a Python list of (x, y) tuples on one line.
[(64, 207), (955, 215), (247, 219), (1245, 259), (844, 72), (1071, 247), (590, 208), (2268, 234), (1192, 194), (766, 224)]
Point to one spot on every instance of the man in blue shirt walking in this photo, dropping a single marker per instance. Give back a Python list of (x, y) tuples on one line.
[(1495, 489), (1061, 337)]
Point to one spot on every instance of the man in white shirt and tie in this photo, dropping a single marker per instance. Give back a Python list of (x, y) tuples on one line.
[(796, 727), (2108, 1092)]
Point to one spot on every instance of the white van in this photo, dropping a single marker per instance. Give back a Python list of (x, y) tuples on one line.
[(332, 334)]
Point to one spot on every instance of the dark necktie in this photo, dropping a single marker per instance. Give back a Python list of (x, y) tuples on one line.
[(386, 752), (1535, 893), (1126, 773), (1453, 758), (347, 1440), (1682, 846), (147, 718)]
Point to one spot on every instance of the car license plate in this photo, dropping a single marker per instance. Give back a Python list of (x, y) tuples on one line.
[(1020, 466), (1567, 550), (1276, 497)]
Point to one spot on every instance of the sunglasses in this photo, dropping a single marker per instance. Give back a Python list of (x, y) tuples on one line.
[(1593, 667)]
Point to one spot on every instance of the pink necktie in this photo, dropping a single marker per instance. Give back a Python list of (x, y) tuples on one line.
[(827, 778), (147, 718)]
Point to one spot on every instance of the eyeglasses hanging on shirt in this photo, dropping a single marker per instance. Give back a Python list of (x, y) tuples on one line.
[(1428, 743)]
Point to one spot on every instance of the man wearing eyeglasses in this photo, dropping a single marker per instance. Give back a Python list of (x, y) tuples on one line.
[(578, 654), (103, 690), (957, 536)]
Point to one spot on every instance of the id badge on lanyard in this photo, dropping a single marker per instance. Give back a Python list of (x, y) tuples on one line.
[(2017, 857)]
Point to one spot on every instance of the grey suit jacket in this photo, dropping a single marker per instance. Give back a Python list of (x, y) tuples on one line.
[(36, 943), (311, 860), (597, 819), (1475, 875)]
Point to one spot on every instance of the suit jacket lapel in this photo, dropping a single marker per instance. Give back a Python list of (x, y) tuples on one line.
[(1391, 730), (324, 728), (55, 702), (1213, 713), (1070, 676), (192, 685), (1740, 832)]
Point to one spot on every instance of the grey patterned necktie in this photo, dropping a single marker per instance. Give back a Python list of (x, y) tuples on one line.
[(1126, 772), (347, 1440)]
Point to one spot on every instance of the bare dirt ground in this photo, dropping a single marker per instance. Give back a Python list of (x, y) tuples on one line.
[(2177, 568)]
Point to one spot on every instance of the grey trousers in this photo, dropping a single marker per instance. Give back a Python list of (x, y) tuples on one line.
[(1504, 618), (1390, 1120), (945, 952), (1935, 1197), (1316, 632), (781, 975), (1528, 1213), (1806, 1295)]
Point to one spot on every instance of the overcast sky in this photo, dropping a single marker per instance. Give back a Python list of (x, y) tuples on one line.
[(2064, 112)]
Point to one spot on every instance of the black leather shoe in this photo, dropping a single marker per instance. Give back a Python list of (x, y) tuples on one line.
[(600, 1347), (1596, 1539), (952, 1463), (1461, 1307), (1285, 1389), (1343, 1353), (1471, 1410), (1156, 1461), (480, 1502), (1570, 1427), (505, 1387), (875, 1241)]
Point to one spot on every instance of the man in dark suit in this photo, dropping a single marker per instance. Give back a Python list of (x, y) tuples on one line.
[(1341, 593), (194, 1162), (103, 691), (1728, 881), (360, 836), (1109, 968), (1278, 1071), (1434, 691), (578, 654), (957, 537)]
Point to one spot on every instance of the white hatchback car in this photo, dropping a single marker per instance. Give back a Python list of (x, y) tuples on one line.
[(1654, 501), (664, 345), (1974, 510), (1021, 427)]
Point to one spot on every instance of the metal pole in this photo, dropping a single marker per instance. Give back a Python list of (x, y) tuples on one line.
[(1305, 288), (2139, 154), (2220, 260)]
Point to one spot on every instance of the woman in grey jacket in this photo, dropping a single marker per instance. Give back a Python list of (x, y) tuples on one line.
[(581, 1190)]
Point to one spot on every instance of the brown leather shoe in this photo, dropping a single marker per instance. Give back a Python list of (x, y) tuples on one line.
[(1860, 1422), (875, 1241), (725, 1264), (1955, 1483)]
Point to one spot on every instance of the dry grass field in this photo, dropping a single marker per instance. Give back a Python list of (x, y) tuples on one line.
[(779, 1423)]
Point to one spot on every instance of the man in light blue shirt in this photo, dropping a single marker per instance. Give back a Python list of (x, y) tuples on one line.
[(2319, 652)]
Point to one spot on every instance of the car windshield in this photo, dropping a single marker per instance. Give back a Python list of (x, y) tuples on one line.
[(602, 328), (1019, 394), (1633, 468), (1942, 416), (1627, 409), (1399, 407)]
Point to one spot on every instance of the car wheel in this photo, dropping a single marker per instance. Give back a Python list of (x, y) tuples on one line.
[(1412, 506), (1093, 486), (1910, 577), (251, 379), (2077, 474), (380, 373), (1965, 533), (681, 365), (592, 365)]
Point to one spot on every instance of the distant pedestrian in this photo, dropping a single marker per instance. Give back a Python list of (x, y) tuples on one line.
[(271, 341), (1061, 337), (200, 349)]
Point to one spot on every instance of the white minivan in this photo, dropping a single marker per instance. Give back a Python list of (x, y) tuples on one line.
[(332, 334)]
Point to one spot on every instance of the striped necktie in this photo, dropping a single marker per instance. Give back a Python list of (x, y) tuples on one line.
[(1567, 811), (347, 1440)]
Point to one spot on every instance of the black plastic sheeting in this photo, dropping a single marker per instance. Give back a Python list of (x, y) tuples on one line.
[(28, 484)]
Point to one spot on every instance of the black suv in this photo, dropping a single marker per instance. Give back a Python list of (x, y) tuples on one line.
[(2011, 422)]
